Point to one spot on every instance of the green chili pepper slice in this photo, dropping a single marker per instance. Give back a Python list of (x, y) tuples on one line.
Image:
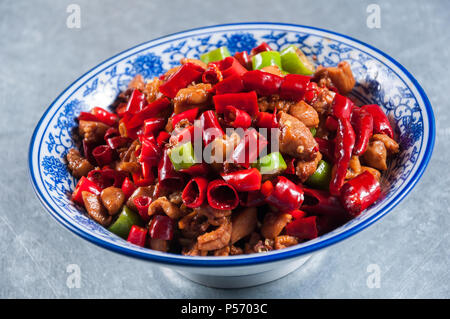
[(313, 131), (272, 163), (266, 58), (215, 55), (182, 156), (321, 177), (127, 218), (293, 60)]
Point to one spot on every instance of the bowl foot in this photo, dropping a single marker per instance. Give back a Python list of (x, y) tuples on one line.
[(245, 280)]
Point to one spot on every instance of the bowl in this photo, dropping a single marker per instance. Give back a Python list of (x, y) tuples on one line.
[(380, 79)]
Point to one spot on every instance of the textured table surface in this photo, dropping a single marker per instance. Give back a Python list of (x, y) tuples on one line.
[(41, 56)]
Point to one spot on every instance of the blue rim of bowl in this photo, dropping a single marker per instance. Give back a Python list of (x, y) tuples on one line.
[(173, 259)]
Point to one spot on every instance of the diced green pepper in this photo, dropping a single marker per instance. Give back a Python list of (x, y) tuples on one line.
[(272, 163), (313, 131), (182, 156), (215, 55), (127, 218), (321, 177), (293, 60), (266, 58)]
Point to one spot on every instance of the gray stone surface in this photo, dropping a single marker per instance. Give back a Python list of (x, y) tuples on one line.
[(40, 57)]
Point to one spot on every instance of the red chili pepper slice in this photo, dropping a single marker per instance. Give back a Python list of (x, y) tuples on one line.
[(104, 116), (342, 107), (84, 185), (247, 102), (380, 120), (210, 127), (236, 118), (359, 193), (128, 187), (244, 180), (230, 66), (249, 147), (320, 202), (267, 120), (294, 87), (260, 48), (136, 102), (244, 59), (263, 83), (189, 115), (362, 122), (185, 75), (103, 155), (194, 193), (153, 125), (161, 227), (222, 195), (137, 235), (303, 228), (168, 177), (232, 84), (149, 111), (283, 194), (142, 203)]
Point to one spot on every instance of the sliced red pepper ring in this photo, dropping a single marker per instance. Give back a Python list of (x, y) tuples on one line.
[(185, 75), (117, 142), (249, 148), (266, 120), (142, 203), (303, 228), (212, 74), (85, 116), (261, 48), (294, 87), (283, 194), (297, 214), (201, 169), (319, 202), (153, 125), (244, 180), (104, 116), (222, 195), (103, 155), (107, 177), (230, 66), (161, 227), (136, 102), (210, 127), (236, 118), (359, 193), (137, 235), (162, 138), (149, 111), (168, 177), (194, 194), (244, 59)]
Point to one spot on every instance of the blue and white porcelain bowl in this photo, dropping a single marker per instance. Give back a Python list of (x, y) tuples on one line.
[(380, 79)]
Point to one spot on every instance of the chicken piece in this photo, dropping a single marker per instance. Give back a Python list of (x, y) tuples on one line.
[(270, 103), (198, 95), (274, 224), (375, 155), (304, 169), (243, 224), (151, 90), (285, 241), (354, 168), (194, 251), (175, 198), (376, 173), (194, 61), (140, 191), (162, 205), (262, 246), (221, 148), (296, 139), (217, 238), (113, 199), (193, 225), (341, 77), (323, 101), (137, 83), (273, 69), (78, 165), (305, 113), (391, 146), (92, 132), (216, 217), (159, 244), (170, 72), (225, 251), (235, 250), (95, 208)]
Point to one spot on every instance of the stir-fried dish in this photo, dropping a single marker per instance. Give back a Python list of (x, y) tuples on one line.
[(230, 155)]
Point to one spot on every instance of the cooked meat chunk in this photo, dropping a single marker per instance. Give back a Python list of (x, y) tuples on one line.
[(354, 168), (391, 146), (243, 224), (194, 61), (95, 209), (221, 148), (193, 225), (323, 101), (137, 83), (305, 113), (225, 251), (78, 165), (217, 238), (159, 244), (285, 241), (140, 191), (375, 155), (341, 77), (151, 90), (198, 95), (92, 132), (216, 217), (113, 199), (270, 103), (235, 250), (163, 205), (194, 251), (274, 224), (304, 169), (296, 139), (175, 198)]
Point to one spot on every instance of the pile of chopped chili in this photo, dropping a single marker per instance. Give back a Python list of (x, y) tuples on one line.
[(230, 155)]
